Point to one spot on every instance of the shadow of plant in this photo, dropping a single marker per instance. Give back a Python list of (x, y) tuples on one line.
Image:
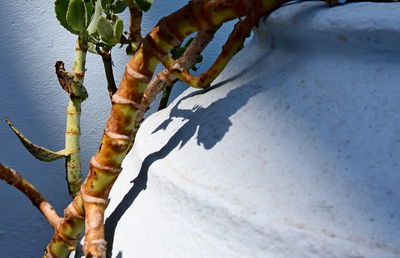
[(209, 133)]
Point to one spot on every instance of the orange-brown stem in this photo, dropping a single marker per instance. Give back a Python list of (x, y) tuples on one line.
[(165, 78), (234, 43), (136, 14), (13, 178)]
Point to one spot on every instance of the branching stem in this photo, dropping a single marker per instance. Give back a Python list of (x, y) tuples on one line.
[(164, 80), (234, 43), (13, 178)]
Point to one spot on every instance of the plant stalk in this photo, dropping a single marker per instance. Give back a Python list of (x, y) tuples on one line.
[(73, 130), (108, 68)]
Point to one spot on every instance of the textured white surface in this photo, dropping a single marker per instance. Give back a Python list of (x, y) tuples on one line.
[(31, 42), (293, 153)]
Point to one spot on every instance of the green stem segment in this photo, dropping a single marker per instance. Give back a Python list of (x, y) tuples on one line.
[(72, 145), (73, 130)]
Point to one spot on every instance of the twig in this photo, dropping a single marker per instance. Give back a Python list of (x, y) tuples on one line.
[(234, 43), (108, 68), (13, 178)]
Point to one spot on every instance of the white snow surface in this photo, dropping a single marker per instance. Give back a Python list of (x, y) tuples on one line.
[(293, 152)]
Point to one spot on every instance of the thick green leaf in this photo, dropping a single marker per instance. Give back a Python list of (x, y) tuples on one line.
[(79, 90), (61, 8), (131, 49), (92, 48), (76, 15), (144, 4), (105, 30), (177, 52), (118, 29), (119, 6), (38, 152), (106, 4), (89, 11), (97, 13)]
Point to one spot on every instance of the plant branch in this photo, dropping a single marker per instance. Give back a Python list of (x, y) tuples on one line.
[(108, 68), (67, 232), (186, 61), (166, 79), (73, 129), (234, 43), (13, 178), (136, 14)]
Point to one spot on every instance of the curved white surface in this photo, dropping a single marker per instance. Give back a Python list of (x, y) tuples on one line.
[(294, 152)]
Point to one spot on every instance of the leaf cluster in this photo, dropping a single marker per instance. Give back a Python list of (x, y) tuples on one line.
[(85, 18)]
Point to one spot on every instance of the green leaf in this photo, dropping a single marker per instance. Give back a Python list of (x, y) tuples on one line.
[(131, 49), (188, 42), (106, 4), (120, 6), (177, 52), (78, 90), (118, 29), (61, 8), (97, 13), (89, 11), (76, 15), (92, 48), (38, 152), (105, 30), (199, 59), (144, 4)]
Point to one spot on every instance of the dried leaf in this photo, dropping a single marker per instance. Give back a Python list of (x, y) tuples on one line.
[(38, 152)]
